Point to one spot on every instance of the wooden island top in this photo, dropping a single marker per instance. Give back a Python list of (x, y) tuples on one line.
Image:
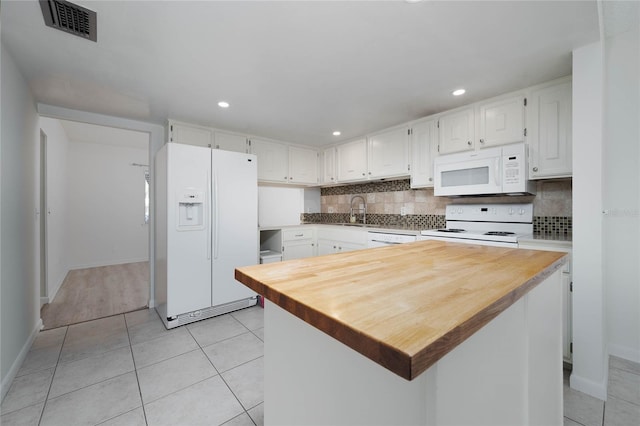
[(403, 306)]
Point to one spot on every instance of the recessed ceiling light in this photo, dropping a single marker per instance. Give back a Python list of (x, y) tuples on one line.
[(336, 133), (412, 1), (458, 92), (223, 104)]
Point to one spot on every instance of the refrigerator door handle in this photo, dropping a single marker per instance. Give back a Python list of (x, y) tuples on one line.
[(209, 217), (216, 212)]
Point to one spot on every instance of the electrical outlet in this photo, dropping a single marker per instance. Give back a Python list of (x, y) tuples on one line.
[(330, 209), (403, 211)]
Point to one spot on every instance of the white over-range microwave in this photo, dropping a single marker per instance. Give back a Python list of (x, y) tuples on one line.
[(500, 170)]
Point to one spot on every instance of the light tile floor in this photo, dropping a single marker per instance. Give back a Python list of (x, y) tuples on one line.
[(129, 370)]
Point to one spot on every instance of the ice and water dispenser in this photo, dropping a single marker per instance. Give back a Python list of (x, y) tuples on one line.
[(191, 209)]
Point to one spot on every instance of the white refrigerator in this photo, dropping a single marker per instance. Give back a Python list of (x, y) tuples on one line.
[(206, 226)]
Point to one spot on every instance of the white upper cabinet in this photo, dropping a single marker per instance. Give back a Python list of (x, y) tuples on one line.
[(303, 165), (424, 148), (389, 153), (230, 141), (549, 131), (457, 131), (351, 161), (273, 160), (190, 134), (329, 165), (501, 121)]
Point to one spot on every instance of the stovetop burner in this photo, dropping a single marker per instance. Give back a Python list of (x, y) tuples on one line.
[(499, 233), (453, 230)]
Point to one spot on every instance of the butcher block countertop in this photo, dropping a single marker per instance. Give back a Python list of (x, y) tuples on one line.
[(403, 306)]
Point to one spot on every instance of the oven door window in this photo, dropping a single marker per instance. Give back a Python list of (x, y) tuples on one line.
[(465, 177)]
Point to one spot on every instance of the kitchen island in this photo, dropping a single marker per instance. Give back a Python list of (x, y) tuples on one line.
[(420, 333)]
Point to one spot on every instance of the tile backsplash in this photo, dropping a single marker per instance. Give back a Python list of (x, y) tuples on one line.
[(552, 207)]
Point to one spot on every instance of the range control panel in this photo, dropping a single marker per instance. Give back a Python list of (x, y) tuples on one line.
[(490, 212)]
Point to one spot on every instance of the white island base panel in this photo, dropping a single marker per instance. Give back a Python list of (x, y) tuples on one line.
[(508, 373)]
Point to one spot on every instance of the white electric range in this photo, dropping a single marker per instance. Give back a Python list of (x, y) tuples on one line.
[(499, 225)]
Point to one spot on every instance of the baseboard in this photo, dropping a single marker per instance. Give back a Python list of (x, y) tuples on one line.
[(624, 352), (58, 283), (109, 263), (43, 301), (595, 389), (17, 363)]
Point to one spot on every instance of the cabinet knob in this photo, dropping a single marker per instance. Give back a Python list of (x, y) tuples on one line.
[(481, 140), (535, 169), (469, 143), (331, 178), (290, 178), (285, 178), (430, 179), (369, 172), (363, 174)]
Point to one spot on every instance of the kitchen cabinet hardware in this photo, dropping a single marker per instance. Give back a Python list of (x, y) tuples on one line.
[(469, 143), (535, 169), (481, 140)]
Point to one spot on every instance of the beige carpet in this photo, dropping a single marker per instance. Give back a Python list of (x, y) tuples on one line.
[(92, 293)]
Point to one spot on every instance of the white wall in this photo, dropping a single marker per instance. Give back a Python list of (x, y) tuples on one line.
[(56, 204), (589, 372), (622, 193), (106, 205), (19, 264), (279, 206)]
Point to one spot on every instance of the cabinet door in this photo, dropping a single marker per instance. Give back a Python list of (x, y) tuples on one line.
[(389, 153), (345, 246), (351, 159), (303, 165), (502, 122), (272, 160), (456, 131), (549, 131), (326, 247), (230, 141), (424, 148), (190, 134), (329, 165), (298, 250)]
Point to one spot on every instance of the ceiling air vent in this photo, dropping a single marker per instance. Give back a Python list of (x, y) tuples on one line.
[(70, 18)]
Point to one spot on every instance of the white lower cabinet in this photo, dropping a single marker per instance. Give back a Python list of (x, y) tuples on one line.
[(298, 243), (340, 240), (567, 287)]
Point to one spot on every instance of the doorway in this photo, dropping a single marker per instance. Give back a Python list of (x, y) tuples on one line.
[(97, 221)]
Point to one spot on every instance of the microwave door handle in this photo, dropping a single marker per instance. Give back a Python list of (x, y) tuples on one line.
[(497, 171)]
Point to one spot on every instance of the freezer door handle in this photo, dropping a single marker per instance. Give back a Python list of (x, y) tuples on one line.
[(216, 212), (209, 216)]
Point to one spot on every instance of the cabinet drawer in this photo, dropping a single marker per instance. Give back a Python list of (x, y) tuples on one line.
[(297, 234)]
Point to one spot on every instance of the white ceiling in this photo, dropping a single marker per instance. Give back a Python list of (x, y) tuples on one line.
[(295, 71)]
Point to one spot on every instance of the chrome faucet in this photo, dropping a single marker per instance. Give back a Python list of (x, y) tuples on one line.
[(362, 210)]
